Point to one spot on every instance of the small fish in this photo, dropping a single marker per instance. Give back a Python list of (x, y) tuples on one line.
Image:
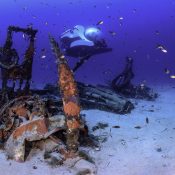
[(164, 50), (167, 71), (43, 56), (160, 47), (24, 36), (43, 53), (138, 127), (172, 76), (121, 18), (147, 120), (112, 33), (100, 23)]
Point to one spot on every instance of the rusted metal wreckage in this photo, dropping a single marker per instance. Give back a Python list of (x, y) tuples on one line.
[(27, 115), (10, 68)]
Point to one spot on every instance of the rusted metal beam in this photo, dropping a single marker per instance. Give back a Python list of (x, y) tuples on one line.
[(70, 97), (10, 68)]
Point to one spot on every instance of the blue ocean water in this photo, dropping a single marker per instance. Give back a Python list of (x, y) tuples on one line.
[(140, 25)]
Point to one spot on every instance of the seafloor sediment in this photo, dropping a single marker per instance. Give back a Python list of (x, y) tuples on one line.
[(139, 143)]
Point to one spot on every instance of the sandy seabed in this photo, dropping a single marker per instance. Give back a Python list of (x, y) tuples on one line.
[(138, 147)]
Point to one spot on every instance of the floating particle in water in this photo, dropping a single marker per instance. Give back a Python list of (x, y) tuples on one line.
[(30, 25), (157, 32), (162, 48), (112, 33), (167, 71), (134, 10), (100, 22), (120, 23), (148, 56), (46, 23), (43, 50), (107, 72), (24, 8), (172, 76), (34, 17), (109, 5)]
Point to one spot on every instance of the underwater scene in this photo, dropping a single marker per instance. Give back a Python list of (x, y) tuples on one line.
[(87, 87)]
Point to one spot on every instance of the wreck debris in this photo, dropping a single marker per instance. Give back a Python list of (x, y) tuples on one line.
[(81, 62), (91, 97), (69, 93), (31, 118), (103, 98), (122, 84), (24, 119), (37, 129), (39, 116), (29, 121), (10, 68), (15, 145)]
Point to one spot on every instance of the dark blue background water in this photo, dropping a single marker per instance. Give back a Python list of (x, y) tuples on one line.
[(136, 35)]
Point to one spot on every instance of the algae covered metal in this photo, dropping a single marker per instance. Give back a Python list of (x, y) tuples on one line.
[(70, 97)]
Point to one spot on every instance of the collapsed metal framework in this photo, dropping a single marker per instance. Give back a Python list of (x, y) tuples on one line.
[(30, 118), (9, 60)]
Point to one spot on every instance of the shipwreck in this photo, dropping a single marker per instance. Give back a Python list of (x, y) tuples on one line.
[(30, 115)]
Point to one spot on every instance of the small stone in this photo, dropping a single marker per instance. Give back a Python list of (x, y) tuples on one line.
[(138, 127), (159, 149), (97, 149), (34, 167)]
